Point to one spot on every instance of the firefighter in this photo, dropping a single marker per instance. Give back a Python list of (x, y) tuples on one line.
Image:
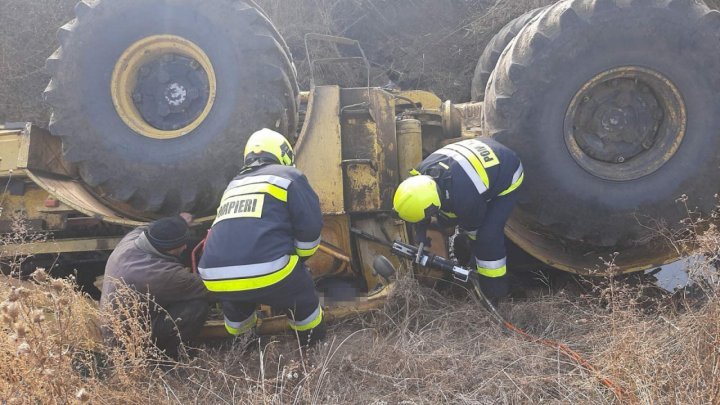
[(470, 184), (268, 223), (147, 261)]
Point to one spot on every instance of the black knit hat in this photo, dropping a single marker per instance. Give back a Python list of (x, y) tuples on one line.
[(168, 233)]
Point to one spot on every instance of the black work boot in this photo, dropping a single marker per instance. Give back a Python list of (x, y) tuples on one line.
[(495, 288), (313, 336)]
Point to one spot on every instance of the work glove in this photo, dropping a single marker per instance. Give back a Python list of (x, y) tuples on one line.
[(461, 249)]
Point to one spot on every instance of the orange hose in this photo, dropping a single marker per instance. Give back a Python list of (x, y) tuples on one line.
[(563, 348), (572, 354)]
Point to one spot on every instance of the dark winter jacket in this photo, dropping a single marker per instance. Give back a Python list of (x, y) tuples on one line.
[(470, 174), (140, 266)]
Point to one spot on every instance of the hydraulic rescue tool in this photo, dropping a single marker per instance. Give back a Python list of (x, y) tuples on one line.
[(430, 260)]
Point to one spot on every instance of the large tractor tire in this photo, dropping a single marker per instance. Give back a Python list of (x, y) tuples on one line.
[(612, 106), (155, 99), (493, 50)]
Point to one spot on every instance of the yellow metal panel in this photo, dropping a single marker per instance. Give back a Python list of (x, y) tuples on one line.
[(409, 139), (40, 151), (318, 149), (330, 259), (384, 228), (369, 147), (32, 204), (279, 324), (362, 186), (426, 99), (9, 151)]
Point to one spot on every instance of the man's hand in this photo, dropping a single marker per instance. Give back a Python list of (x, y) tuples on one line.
[(188, 217), (461, 248)]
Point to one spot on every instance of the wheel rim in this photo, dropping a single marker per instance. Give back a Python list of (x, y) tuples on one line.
[(163, 86), (625, 123)]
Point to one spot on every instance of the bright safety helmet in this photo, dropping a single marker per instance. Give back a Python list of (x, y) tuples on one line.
[(269, 144), (416, 198)]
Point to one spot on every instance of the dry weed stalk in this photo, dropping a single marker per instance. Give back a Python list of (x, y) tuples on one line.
[(425, 346), (663, 347), (44, 325), (20, 234)]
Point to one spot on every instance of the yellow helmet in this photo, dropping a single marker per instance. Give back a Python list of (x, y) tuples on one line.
[(270, 144), (416, 198)]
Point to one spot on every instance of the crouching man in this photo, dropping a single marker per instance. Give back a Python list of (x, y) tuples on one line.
[(147, 261)]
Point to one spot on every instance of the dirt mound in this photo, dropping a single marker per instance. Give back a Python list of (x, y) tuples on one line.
[(426, 45), (27, 38), (422, 44)]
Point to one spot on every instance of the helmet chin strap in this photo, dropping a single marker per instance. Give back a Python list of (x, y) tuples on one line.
[(261, 160), (421, 231)]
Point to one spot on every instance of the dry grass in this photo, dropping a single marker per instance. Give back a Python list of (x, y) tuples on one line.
[(43, 323), (21, 232), (425, 346)]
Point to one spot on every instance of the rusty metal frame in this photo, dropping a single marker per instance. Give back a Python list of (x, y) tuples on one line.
[(74, 194), (215, 329), (310, 37), (60, 246)]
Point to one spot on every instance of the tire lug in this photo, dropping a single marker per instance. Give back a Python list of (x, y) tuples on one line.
[(194, 65), (620, 159)]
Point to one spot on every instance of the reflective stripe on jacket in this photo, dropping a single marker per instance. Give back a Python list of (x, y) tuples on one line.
[(469, 174), (268, 219)]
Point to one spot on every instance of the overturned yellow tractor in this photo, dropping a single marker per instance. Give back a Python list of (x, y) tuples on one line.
[(609, 103)]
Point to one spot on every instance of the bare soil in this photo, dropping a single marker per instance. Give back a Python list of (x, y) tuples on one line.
[(432, 45)]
